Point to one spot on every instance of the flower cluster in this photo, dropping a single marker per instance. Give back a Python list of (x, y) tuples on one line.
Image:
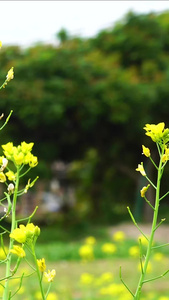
[(26, 233), (21, 154), (157, 132)]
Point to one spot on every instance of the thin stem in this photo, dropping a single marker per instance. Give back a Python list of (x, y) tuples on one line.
[(164, 196), (135, 223), (38, 273), (149, 248), (125, 283), (13, 226)]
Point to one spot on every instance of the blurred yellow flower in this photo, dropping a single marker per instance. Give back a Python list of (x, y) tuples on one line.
[(146, 151), (163, 298), (52, 296), (109, 248), (50, 275), (2, 177), (18, 251), (134, 251), (119, 236), (0, 44), (158, 256), (41, 264), (86, 278), (86, 252), (10, 75), (106, 277), (90, 240), (144, 241)]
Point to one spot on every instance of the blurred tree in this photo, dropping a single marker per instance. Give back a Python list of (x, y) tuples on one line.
[(87, 100)]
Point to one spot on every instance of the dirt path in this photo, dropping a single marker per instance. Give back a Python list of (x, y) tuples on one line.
[(161, 234)]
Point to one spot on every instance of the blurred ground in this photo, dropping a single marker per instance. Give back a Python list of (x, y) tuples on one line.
[(161, 234)]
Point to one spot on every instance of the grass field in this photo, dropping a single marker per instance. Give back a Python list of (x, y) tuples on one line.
[(92, 277)]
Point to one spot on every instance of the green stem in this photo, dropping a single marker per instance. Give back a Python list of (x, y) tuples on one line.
[(13, 226), (154, 226), (38, 273)]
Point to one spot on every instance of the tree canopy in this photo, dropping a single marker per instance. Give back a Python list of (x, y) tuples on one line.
[(86, 101)]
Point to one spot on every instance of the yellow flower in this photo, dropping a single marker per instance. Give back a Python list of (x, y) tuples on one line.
[(119, 236), (146, 151), (18, 235), (144, 241), (52, 296), (0, 44), (11, 176), (25, 148), (10, 75), (141, 169), (86, 278), (18, 251), (41, 264), (2, 177), (158, 256), (19, 158), (109, 248), (90, 240), (23, 233), (144, 190), (157, 132), (50, 275), (86, 252), (33, 161), (134, 251), (165, 156), (106, 277)]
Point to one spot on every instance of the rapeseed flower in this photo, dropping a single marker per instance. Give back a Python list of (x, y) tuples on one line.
[(86, 278), (41, 264), (144, 190), (109, 248), (21, 154), (11, 176), (143, 240), (165, 156), (134, 251), (11, 188), (157, 132), (146, 151), (119, 236), (2, 177), (90, 240), (50, 275), (18, 251), (10, 75), (141, 169), (86, 252), (158, 256), (25, 233)]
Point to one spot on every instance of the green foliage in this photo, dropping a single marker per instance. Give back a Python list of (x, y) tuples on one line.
[(88, 94)]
